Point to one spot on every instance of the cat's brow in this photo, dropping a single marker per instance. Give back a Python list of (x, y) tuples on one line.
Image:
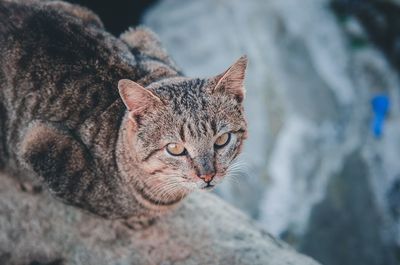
[(213, 126), (190, 129), (182, 132)]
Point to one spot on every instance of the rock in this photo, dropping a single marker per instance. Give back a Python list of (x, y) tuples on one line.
[(311, 77), (381, 21), (348, 207), (37, 229)]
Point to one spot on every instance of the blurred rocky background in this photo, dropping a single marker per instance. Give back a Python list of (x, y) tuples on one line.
[(321, 168)]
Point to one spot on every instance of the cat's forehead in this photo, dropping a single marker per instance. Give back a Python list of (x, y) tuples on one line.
[(179, 88), (197, 122), (188, 95), (189, 104)]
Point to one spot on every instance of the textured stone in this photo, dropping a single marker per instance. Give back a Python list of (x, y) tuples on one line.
[(348, 207), (380, 19), (34, 227)]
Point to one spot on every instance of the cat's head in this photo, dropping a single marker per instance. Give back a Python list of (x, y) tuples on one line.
[(186, 132)]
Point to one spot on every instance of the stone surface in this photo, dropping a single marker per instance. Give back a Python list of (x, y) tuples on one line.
[(37, 229), (311, 77), (349, 207), (380, 19)]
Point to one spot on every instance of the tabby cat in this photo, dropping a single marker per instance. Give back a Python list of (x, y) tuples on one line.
[(110, 124)]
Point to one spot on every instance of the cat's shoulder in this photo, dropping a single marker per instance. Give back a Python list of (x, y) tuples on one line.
[(79, 12), (141, 40), (60, 29), (17, 12)]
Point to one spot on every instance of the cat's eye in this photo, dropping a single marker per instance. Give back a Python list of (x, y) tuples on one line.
[(176, 149), (223, 140)]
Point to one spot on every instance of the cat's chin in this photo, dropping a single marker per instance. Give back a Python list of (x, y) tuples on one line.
[(208, 187)]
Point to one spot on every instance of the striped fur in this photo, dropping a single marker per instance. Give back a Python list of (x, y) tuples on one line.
[(63, 120)]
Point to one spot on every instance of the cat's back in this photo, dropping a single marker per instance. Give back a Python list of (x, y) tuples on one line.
[(56, 69), (55, 66)]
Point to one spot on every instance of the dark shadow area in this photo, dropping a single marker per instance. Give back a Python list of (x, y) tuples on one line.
[(380, 19), (117, 15)]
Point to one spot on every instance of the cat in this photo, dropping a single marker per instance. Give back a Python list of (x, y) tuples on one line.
[(110, 125)]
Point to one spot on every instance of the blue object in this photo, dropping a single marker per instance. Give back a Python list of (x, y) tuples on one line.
[(380, 108)]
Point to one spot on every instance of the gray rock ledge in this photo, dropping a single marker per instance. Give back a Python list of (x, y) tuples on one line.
[(34, 227)]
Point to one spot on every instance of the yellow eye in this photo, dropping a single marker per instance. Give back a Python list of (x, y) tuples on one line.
[(176, 149), (222, 140)]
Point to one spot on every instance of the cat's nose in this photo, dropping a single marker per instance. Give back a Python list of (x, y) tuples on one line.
[(207, 178)]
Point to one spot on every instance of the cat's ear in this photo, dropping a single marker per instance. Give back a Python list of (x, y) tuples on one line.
[(232, 80), (135, 97)]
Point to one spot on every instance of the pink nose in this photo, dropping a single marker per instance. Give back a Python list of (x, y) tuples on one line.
[(207, 178)]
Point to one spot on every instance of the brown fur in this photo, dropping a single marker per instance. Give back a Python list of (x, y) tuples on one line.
[(70, 115)]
